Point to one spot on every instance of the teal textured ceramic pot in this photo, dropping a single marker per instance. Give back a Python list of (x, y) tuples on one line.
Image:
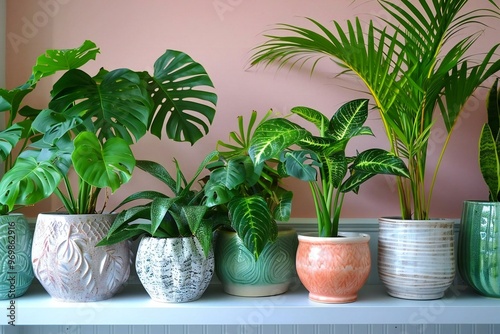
[(241, 275), (479, 247), (16, 239)]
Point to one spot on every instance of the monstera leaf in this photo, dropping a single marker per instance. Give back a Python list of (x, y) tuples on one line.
[(108, 165), (59, 60), (8, 139), (112, 104), (10, 100), (29, 182), (179, 88)]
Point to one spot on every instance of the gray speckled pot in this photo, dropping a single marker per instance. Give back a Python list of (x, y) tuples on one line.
[(69, 265), (174, 269)]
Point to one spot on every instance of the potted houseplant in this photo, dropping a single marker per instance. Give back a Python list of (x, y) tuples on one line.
[(88, 128), (332, 265), (175, 258), (416, 65), (253, 256), (479, 238), (16, 237)]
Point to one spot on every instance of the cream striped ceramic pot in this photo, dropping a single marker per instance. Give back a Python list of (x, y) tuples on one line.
[(416, 258)]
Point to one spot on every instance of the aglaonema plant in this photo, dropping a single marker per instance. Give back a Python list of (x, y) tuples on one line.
[(489, 145), (321, 159)]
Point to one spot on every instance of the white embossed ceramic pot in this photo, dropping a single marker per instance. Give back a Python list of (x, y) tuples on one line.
[(334, 269), (67, 262), (16, 272), (174, 270), (241, 275), (416, 258)]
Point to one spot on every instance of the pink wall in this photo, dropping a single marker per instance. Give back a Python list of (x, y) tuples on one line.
[(220, 34)]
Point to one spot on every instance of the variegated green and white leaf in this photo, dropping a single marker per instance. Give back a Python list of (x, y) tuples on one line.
[(251, 218), (489, 163), (313, 116), (378, 161), (273, 137), (349, 119)]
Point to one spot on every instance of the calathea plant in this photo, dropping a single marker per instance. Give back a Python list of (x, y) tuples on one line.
[(252, 195), (91, 122), (321, 159), (419, 63), (489, 144)]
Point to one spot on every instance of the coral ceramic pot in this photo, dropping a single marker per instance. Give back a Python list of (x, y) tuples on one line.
[(333, 270)]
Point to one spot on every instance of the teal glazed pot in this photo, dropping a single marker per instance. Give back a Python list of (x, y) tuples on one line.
[(239, 273), (479, 247), (16, 239)]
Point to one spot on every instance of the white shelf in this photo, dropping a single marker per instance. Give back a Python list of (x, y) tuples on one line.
[(134, 307)]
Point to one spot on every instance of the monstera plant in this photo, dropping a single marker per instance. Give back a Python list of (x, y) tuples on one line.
[(81, 144), (92, 120)]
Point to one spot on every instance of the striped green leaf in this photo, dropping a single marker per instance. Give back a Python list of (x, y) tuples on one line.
[(251, 218)]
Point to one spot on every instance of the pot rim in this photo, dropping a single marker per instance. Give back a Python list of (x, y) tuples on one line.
[(398, 219), (13, 214), (55, 213), (482, 202), (145, 236), (343, 238)]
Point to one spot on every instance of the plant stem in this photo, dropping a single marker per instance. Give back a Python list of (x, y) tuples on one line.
[(436, 169), (66, 203), (337, 208)]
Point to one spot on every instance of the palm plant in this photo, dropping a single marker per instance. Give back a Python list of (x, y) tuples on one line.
[(417, 64), (321, 159), (91, 122), (253, 197)]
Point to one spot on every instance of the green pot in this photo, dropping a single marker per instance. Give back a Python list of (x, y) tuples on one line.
[(16, 239), (239, 273), (479, 247)]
